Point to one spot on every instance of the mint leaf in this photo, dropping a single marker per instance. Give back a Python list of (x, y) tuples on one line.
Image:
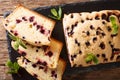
[(16, 66), (16, 45), (12, 37), (115, 29), (113, 20), (60, 13), (18, 42), (22, 44), (53, 17), (95, 60), (9, 63), (54, 12), (13, 67), (91, 57)]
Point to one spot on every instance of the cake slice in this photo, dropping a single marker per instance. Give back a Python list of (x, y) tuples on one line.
[(42, 72), (92, 37), (30, 26), (47, 55)]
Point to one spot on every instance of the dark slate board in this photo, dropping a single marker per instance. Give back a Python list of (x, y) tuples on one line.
[(58, 34)]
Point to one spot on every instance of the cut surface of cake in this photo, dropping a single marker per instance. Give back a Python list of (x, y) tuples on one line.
[(92, 37), (48, 55), (30, 26), (42, 72)]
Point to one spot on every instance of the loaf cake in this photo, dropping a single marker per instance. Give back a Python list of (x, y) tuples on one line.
[(29, 26), (95, 34), (42, 54), (42, 72)]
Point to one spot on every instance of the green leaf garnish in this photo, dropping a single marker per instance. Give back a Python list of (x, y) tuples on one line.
[(95, 60), (56, 14), (91, 57), (16, 45), (113, 20), (12, 37), (22, 44), (60, 12), (13, 67), (18, 42)]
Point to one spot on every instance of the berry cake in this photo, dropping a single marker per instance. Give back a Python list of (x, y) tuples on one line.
[(47, 55), (42, 72), (92, 33), (30, 26)]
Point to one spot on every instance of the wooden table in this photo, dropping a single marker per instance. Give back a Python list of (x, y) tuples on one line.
[(8, 5)]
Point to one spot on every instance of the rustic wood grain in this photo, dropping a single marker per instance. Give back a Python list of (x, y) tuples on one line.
[(107, 74), (7, 5), (2, 30), (3, 52), (3, 44), (3, 73)]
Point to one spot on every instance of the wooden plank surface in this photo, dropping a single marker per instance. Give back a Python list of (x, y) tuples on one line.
[(8, 5), (108, 74), (3, 54)]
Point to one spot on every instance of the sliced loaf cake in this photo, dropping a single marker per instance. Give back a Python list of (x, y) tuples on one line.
[(92, 38), (47, 55), (30, 26), (42, 72)]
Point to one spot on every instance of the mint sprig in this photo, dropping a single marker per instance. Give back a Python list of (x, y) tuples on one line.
[(56, 14), (13, 67), (18, 42), (12, 37), (115, 26), (91, 57)]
